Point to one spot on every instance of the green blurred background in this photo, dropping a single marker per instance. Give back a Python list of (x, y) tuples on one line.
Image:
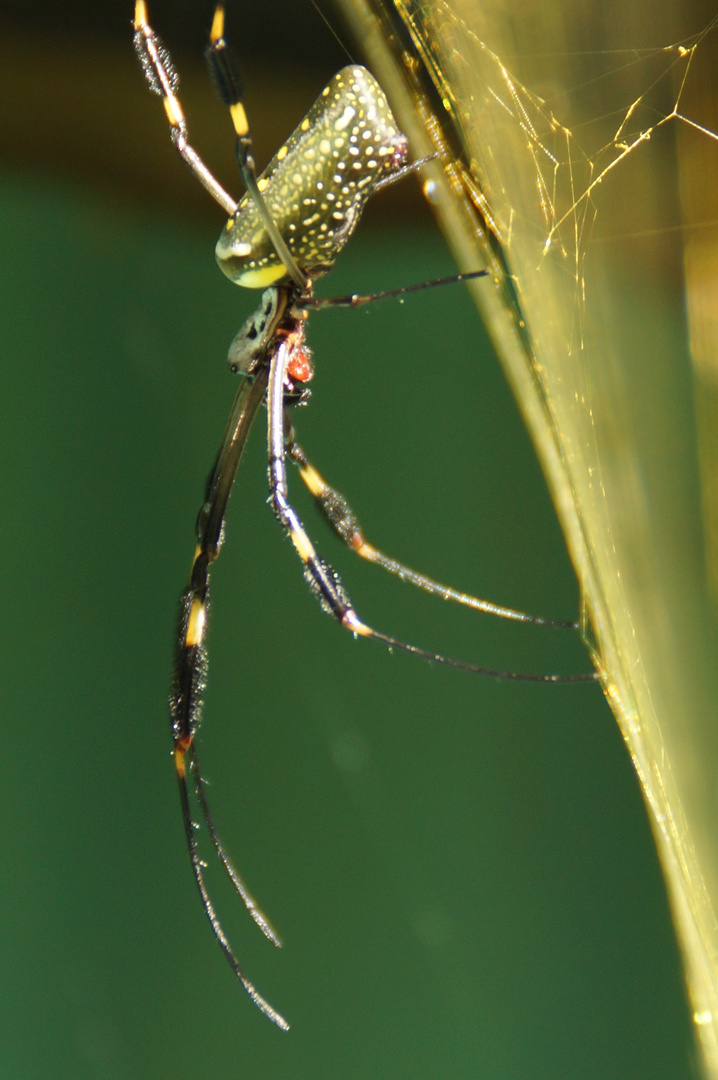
[(462, 870)]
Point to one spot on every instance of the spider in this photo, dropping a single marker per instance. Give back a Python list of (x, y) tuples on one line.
[(284, 233)]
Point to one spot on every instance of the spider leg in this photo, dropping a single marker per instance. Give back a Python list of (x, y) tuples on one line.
[(340, 517), (317, 303), (190, 669), (224, 70), (322, 579), (214, 922), (164, 81), (240, 888)]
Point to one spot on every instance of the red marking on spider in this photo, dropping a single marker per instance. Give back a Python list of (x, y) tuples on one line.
[(300, 367)]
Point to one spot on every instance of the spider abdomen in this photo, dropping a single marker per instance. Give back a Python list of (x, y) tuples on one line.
[(316, 185)]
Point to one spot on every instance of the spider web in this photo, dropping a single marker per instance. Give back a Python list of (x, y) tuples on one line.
[(592, 159), (551, 133)]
